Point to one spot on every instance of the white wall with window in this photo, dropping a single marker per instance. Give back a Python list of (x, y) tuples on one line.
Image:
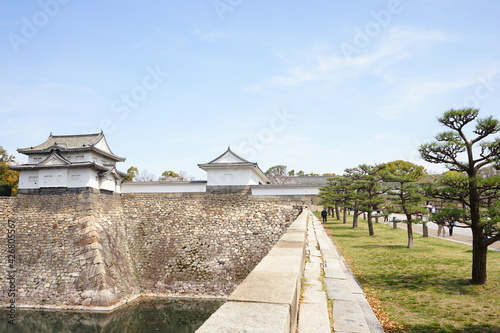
[(53, 177), (29, 179)]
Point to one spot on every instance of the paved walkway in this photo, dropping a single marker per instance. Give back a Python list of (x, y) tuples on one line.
[(326, 278), (464, 237)]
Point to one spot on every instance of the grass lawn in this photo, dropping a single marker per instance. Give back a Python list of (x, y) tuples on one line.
[(424, 289)]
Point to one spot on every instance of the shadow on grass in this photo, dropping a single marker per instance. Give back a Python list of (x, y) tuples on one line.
[(347, 236), (465, 329), (421, 282), (374, 246)]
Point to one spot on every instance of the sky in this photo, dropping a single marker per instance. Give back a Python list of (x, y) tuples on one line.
[(318, 86)]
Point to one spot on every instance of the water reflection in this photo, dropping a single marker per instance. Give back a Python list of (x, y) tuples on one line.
[(145, 315)]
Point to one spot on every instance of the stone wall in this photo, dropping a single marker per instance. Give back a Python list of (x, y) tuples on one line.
[(93, 249), (201, 244), (68, 249)]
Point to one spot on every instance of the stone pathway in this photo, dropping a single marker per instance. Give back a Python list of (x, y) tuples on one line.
[(327, 278)]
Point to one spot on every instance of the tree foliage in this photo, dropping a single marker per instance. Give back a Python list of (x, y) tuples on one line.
[(169, 175), (367, 183), (467, 151), (338, 192), (133, 172), (405, 192), (8, 178)]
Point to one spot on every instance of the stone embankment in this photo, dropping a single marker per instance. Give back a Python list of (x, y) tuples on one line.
[(83, 248), (267, 300), (303, 263)]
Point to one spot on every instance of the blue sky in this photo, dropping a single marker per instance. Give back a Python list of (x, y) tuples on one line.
[(317, 86)]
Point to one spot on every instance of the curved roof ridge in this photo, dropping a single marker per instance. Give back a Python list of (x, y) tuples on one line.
[(229, 151)]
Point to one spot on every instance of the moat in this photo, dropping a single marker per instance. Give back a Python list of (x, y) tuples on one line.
[(143, 315)]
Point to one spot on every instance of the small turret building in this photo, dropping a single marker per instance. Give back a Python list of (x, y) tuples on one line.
[(70, 161), (229, 169)]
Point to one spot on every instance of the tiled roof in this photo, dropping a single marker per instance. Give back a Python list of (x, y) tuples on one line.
[(229, 151), (68, 143)]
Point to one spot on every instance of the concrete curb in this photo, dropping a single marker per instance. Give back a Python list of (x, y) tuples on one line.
[(351, 311), (267, 300)]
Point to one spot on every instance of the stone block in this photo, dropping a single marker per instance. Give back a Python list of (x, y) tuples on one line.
[(348, 317), (240, 317)]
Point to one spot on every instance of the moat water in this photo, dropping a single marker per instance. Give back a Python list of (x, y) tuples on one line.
[(143, 316)]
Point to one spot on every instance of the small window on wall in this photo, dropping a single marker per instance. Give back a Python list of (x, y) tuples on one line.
[(68, 157), (37, 159), (59, 178), (47, 179), (75, 178), (33, 179), (79, 157)]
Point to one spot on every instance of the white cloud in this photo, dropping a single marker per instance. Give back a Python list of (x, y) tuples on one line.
[(210, 36), (377, 137), (396, 45)]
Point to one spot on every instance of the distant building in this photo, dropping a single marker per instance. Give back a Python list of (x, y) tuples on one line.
[(229, 169), (70, 161)]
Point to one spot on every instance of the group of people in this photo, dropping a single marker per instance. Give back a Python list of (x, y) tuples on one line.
[(441, 228)]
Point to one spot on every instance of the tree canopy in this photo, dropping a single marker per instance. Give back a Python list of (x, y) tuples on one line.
[(405, 193), (8, 178), (467, 151)]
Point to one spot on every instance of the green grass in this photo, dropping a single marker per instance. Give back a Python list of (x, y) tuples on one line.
[(424, 289)]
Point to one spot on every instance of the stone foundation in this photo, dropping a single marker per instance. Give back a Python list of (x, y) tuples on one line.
[(85, 248)]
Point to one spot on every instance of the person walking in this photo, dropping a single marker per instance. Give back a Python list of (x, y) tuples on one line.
[(441, 229), (324, 214), (450, 227)]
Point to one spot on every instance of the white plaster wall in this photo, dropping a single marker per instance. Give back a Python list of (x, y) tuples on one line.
[(100, 160), (224, 177), (87, 178), (108, 183), (102, 145), (24, 182), (285, 190), (137, 187), (32, 157), (53, 178)]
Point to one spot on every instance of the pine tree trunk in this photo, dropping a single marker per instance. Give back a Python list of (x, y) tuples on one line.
[(370, 225), (337, 212), (479, 249), (355, 219), (409, 228), (425, 230), (479, 255), (344, 217)]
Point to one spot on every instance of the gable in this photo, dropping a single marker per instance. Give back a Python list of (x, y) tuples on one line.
[(229, 157), (54, 160), (103, 145)]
